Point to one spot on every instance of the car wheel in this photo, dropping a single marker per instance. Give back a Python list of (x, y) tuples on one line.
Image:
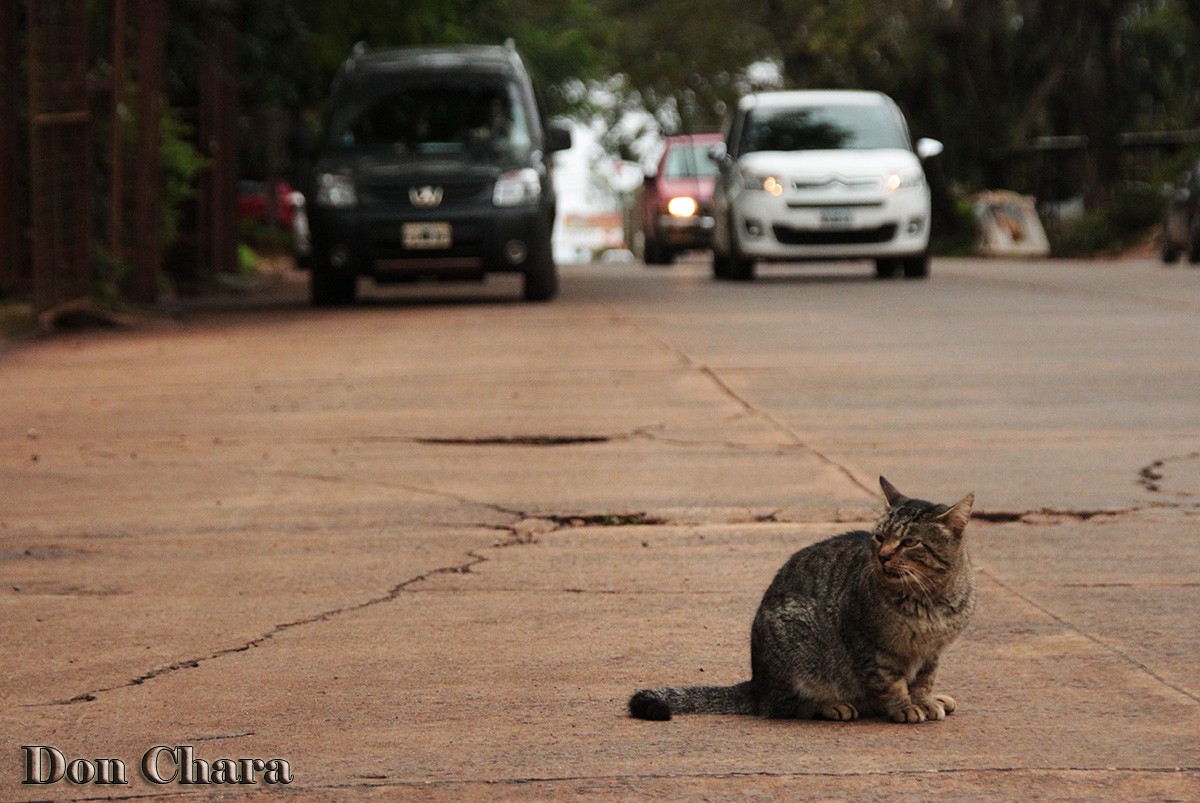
[(1193, 253), (656, 254), (1170, 254), (720, 265), (885, 268), (330, 288), (915, 267), (541, 277), (741, 267)]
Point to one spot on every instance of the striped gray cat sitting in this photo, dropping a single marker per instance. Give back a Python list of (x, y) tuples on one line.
[(852, 625)]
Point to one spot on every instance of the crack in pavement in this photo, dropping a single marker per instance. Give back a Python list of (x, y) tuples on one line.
[(518, 535), (1129, 659), (727, 390), (193, 663), (1049, 515), (527, 526), (523, 530), (785, 429), (375, 782)]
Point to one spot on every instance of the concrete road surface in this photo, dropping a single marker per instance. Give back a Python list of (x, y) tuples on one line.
[(425, 548)]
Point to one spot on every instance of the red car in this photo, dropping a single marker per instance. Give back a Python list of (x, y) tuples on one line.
[(676, 202), (255, 203)]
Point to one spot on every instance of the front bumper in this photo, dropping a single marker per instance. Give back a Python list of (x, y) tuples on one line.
[(685, 232), (378, 242), (794, 228)]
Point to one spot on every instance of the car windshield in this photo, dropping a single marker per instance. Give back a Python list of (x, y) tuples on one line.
[(689, 161), (834, 127), (436, 119)]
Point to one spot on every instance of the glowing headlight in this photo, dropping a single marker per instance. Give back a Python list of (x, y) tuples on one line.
[(757, 181), (517, 187), (682, 206), (336, 190), (903, 181)]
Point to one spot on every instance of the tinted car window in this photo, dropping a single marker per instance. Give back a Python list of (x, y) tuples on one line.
[(686, 161), (437, 119), (821, 128)]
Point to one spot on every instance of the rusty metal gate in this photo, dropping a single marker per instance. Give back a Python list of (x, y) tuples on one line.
[(60, 151), (14, 264), (55, 173)]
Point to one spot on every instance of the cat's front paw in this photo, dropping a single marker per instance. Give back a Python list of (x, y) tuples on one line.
[(935, 707), (907, 712)]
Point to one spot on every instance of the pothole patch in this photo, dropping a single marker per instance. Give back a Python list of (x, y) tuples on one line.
[(607, 520), (1047, 515), (1156, 477), (517, 440)]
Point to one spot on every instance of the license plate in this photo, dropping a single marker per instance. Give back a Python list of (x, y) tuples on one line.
[(836, 217), (426, 236)]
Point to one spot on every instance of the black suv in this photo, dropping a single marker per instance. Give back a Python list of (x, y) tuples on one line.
[(433, 163)]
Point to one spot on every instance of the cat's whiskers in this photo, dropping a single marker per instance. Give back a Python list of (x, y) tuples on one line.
[(913, 577)]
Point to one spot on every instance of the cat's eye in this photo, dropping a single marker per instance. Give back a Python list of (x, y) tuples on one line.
[(909, 542), (877, 537)]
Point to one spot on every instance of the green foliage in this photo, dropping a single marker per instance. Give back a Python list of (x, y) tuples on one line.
[(110, 273), (181, 163), (15, 318), (560, 41), (957, 232), (1115, 227), (248, 262)]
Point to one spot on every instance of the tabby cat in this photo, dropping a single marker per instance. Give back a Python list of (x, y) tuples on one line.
[(852, 625)]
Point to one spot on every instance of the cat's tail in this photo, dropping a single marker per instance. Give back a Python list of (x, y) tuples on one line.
[(660, 704)]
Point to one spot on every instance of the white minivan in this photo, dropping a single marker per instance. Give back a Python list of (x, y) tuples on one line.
[(821, 175)]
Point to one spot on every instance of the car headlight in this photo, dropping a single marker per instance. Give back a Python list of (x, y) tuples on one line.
[(336, 190), (683, 206), (757, 181), (904, 181), (517, 187)]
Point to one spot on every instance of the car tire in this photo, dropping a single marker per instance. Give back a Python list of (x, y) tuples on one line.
[(915, 267), (885, 268), (328, 287), (741, 267), (1193, 251), (541, 276), (1170, 252), (656, 254), (720, 265)]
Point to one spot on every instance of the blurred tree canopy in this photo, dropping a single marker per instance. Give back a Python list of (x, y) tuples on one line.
[(978, 74)]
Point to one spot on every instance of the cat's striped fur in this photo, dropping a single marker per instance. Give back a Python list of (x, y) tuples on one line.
[(853, 625)]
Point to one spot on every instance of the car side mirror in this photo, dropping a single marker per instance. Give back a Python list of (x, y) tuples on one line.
[(719, 154), (557, 138), (929, 148)]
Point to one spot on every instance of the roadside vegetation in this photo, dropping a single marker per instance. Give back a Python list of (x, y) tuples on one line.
[(985, 77), (1003, 83)]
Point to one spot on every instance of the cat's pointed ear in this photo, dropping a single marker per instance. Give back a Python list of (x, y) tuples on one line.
[(890, 493), (959, 514)]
